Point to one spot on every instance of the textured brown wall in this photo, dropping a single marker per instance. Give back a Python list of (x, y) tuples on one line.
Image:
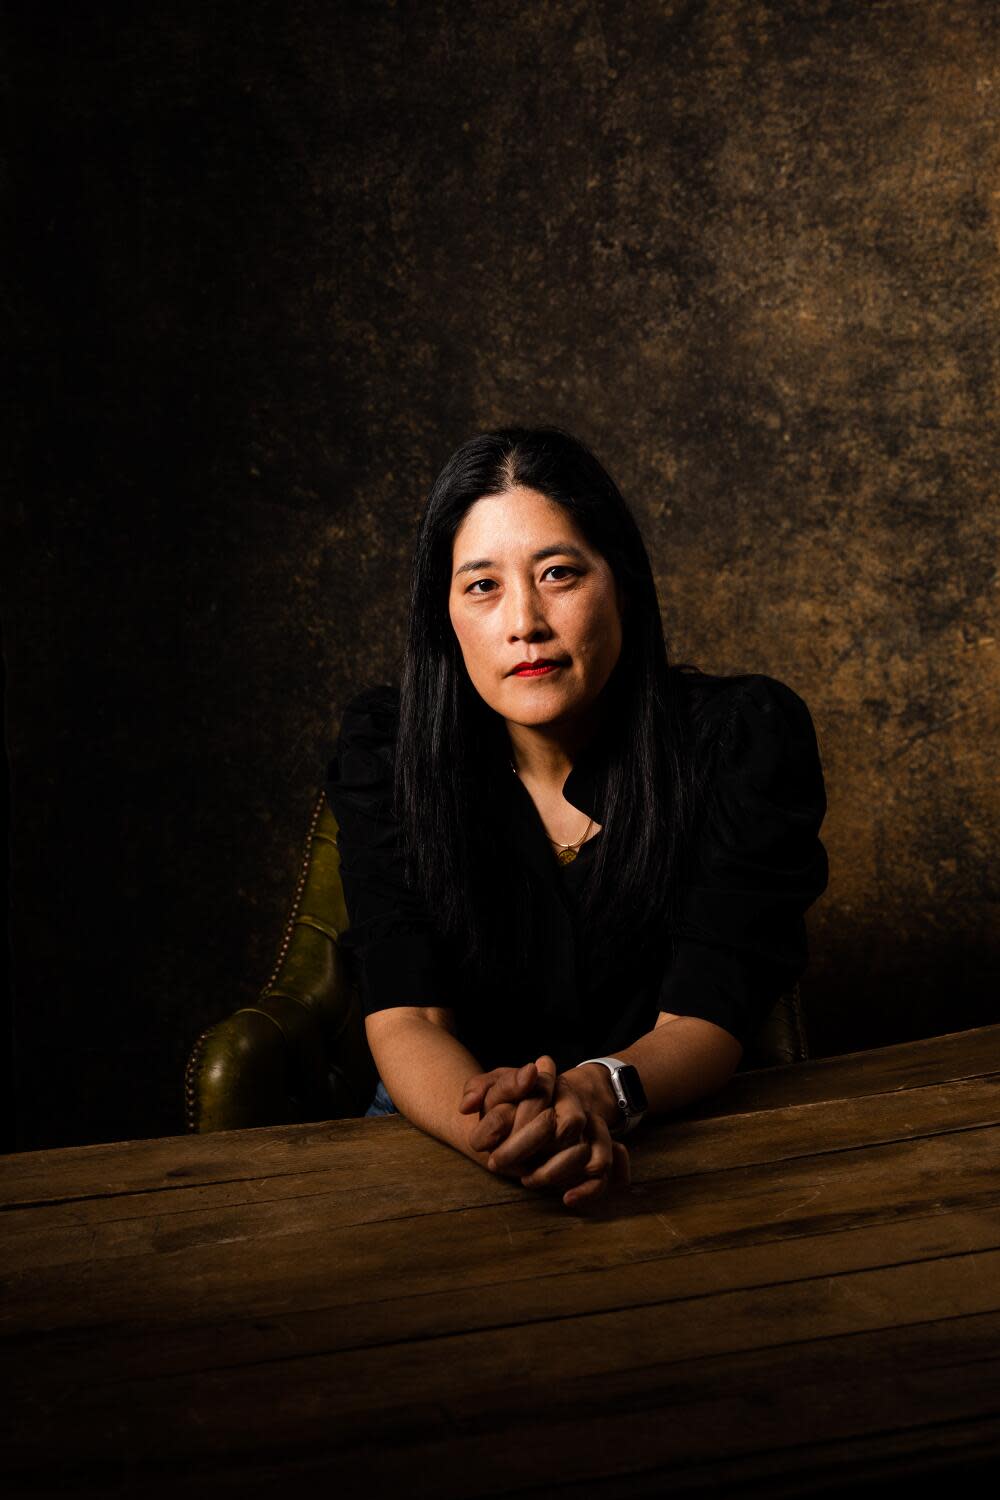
[(276, 261)]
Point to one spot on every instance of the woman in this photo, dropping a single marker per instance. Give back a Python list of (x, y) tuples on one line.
[(575, 875)]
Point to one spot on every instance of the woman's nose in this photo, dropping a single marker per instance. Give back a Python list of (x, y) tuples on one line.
[(525, 616)]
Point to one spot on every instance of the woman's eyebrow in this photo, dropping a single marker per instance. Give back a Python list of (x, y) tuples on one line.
[(566, 549), (560, 547)]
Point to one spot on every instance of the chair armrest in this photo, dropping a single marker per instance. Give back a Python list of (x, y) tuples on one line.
[(236, 1076), (299, 1053), (782, 1038), (265, 1065)]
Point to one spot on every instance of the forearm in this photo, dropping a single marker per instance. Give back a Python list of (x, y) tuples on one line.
[(425, 1067), (681, 1060)]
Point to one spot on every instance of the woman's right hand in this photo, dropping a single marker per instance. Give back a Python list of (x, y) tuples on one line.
[(544, 1131)]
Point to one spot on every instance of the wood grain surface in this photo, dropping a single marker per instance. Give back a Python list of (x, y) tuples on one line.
[(799, 1292)]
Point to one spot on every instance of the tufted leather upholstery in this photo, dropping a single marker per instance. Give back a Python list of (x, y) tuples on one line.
[(300, 1052)]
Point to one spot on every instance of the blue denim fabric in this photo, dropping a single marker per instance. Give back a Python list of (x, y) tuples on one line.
[(381, 1104)]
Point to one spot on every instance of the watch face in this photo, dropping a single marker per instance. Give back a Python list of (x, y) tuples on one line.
[(632, 1087)]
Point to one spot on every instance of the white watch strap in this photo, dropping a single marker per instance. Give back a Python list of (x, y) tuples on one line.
[(629, 1120)]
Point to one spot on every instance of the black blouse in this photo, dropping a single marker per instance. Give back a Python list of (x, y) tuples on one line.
[(741, 938)]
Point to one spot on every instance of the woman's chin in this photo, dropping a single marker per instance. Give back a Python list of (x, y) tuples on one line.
[(537, 712)]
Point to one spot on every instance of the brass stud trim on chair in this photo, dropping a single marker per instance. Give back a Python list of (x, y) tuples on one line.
[(190, 1080), (194, 1060), (296, 904)]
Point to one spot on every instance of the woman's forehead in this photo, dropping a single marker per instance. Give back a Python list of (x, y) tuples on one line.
[(512, 524)]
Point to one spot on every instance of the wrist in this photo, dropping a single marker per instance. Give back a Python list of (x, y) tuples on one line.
[(627, 1091), (592, 1082)]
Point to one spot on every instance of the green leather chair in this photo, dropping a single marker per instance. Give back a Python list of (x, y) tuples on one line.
[(300, 1052)]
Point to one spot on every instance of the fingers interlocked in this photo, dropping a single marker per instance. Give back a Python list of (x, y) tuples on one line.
[(511, 1100), (537, 1129)]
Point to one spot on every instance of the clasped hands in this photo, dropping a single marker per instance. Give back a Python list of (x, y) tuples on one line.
[(548, 1130)]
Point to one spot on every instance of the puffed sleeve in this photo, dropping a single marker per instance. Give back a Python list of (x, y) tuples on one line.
[(399, 957), (759, 865)]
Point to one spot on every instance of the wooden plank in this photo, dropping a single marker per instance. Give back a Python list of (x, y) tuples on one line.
[(612, 1349), (309, 1262), (493, 1412), (936, 1059), (781, 1402), (865, 1467), (385, 1168), (74, 1173), (397, 1172), (374, 1301), (496, 1466), (861, 1465)]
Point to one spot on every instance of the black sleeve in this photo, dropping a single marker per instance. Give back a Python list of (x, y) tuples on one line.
[(759, 863), (399, 954)]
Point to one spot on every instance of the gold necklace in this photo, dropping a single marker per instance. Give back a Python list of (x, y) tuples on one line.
[(565, 853)]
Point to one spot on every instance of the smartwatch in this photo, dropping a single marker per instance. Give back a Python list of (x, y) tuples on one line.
[(628, 1090)]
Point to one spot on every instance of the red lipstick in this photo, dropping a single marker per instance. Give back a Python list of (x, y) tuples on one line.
[(540, 667)]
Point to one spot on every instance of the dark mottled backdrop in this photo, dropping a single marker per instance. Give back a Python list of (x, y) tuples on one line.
[(275, 260)]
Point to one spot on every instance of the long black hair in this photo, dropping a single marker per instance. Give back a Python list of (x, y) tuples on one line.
[(451, 743)]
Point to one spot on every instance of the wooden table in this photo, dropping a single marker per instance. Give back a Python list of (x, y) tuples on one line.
[(801, 1289)]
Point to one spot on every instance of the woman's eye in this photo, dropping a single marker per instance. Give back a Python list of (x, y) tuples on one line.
[(564, 569), (481, 586)]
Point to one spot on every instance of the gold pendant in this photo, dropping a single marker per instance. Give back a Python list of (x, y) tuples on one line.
[(566, 856)]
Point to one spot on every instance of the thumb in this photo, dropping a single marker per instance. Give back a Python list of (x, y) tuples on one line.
[(474, 1093), (546, 1067)]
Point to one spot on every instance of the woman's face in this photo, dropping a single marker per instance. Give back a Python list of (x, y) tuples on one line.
[(527, 587)]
